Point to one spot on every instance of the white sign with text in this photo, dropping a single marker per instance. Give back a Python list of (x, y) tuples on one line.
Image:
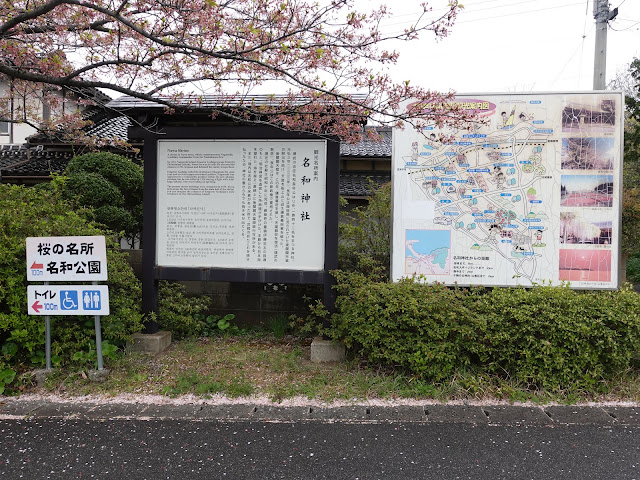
[(255, 204), (68, 299), (64, 259)]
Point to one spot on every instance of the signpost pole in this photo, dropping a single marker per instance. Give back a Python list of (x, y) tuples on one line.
[(98, 338), (47, 339)]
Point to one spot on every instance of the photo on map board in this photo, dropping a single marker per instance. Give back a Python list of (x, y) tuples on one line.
[(592, 227), (585, 265), (589, 115), (590, 153), (586, 191)]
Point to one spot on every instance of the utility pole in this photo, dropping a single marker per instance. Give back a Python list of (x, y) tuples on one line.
[(602, 15)]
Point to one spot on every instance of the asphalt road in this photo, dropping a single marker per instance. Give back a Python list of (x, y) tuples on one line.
[(46, 446)]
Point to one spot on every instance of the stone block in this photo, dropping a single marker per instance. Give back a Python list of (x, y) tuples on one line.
[(266, 413), (246, 288), (244, 302), (217, 288), (356, 413), (40, 375), (193, 287), (150, 342), (99, 376), (116, 411), (323, 351), (400, 413), (275, 303), (624, 415), (219, 301)]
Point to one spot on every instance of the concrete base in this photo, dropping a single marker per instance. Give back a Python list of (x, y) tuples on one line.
[(150, 342), (326, 351), (99, 376), (41, 375)]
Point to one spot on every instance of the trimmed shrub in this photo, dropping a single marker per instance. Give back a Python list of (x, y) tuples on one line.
[(429, 330), (112, 185)]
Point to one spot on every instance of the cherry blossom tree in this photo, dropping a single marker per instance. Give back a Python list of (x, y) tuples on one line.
[(330, 59)]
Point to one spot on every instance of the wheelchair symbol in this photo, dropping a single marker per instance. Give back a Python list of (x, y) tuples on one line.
[(68, 300)]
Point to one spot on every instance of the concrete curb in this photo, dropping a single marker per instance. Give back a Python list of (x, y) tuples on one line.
[(496, 415)]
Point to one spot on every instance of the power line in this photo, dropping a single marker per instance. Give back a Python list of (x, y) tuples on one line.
[(458, 22), (580, 47), (555, 7), (463, 11), (626, 28)]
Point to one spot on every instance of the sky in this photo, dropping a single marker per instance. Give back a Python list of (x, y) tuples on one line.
[(513, 45)]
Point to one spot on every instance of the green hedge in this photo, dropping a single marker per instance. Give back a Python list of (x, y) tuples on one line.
[(556, 337), (547, 337), (428, 330)]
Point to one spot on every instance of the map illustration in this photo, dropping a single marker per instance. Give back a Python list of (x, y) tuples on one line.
[(486, 205)]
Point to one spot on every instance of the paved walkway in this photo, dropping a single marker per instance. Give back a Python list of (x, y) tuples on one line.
[(17, 408)]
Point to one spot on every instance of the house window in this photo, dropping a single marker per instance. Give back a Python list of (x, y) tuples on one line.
[(4, 113), (46, 111)]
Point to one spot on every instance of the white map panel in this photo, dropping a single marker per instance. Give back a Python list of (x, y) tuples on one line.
[(530, 195)]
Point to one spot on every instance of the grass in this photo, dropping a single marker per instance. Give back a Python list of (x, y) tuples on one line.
[(260, 364)]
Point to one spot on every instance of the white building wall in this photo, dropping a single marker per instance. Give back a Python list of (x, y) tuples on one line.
[(17, 133)]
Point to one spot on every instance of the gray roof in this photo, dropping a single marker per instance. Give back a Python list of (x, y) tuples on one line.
[(19, 161), (41, 163), (16, 163), (12, 154), (370, 147), (33, 163), (358, 184), (115, 128), (126, 102)]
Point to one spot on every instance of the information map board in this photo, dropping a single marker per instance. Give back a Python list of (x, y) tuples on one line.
[(251, 204), (530, 195)]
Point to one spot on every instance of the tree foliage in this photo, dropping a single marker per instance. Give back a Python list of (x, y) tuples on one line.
[(174, 52), (365, 233), (629, 83), (112, 185)]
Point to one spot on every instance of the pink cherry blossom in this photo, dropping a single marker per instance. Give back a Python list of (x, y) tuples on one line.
[(329, 58)]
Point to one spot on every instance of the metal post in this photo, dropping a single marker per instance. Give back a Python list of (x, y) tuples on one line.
[(47, 339), (601, 14), (98, 339)]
